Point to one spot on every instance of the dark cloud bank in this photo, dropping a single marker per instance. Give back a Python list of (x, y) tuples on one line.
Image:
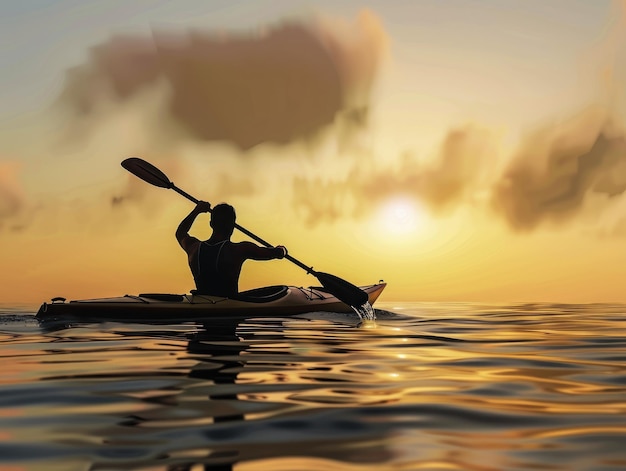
[(278, 86)]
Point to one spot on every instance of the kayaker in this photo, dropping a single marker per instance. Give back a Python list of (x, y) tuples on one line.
[(216, 262)]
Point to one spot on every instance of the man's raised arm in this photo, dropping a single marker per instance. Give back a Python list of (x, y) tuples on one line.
[(182, 233)]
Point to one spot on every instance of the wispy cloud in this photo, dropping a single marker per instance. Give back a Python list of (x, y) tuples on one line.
[(548, 180), (12, 197), (457, 170), (558, 168)]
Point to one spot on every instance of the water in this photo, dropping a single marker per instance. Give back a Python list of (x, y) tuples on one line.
[(366, 312), (430, 387)]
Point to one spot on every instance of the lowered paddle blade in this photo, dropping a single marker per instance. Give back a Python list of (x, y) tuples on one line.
[(147, 172), (344, 291)]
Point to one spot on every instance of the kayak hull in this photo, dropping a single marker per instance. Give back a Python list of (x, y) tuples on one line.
[(291, 300)]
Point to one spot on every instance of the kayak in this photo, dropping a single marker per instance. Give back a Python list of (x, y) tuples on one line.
[(267, 301)]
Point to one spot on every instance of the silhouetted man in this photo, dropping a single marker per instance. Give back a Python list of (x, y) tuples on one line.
[(216, 263)]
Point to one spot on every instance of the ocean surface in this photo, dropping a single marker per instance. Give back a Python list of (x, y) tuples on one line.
[(428, 387)]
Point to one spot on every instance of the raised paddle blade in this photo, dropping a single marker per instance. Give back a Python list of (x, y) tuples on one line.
[(147, 172), (344, 291)]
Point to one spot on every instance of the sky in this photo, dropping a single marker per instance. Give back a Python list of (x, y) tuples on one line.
[(459, 150)]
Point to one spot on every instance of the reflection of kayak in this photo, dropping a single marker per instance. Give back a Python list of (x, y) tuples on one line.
[(268, 301)]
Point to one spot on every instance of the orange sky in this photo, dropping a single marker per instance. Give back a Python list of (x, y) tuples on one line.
[(460, 151)]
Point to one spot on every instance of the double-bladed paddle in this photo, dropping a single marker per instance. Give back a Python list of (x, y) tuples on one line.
[(341, 289)]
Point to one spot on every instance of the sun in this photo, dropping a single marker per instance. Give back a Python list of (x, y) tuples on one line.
[(401, 216)]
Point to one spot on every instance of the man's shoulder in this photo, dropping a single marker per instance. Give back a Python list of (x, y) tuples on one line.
[(244, 243), (189, 242), (245, 246)]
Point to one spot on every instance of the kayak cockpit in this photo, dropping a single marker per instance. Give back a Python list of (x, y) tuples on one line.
[(265, 294), (169, 298)]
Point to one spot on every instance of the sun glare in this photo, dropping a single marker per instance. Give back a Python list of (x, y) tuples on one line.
[(401, 216)]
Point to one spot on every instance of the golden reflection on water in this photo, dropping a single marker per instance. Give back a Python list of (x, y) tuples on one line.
[(441, 387)]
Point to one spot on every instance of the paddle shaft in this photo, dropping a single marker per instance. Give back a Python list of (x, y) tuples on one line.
[(246, 231), (341, 289)]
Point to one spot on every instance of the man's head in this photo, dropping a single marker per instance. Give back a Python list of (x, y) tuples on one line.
[(223, 218)]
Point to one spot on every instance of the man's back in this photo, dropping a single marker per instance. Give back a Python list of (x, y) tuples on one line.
[(216, 263), (219, 265), (216, 270)]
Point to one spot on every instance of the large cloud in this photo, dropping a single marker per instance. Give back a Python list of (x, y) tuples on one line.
[(277, 86)]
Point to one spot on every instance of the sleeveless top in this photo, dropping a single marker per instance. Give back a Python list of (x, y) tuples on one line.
[(209, 278)]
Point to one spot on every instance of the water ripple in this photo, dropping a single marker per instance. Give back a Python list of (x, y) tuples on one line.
[(430, 386)]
